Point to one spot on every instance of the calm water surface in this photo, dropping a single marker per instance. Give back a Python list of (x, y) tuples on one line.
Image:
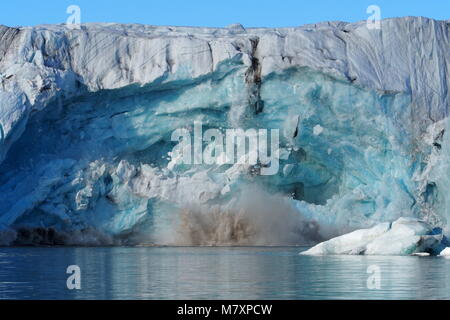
[(215, 273)]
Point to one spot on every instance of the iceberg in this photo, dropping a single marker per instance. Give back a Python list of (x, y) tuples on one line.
[(445, 252), (87, 115), (405, 236)]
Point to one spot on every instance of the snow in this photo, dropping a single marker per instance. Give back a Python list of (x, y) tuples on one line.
[(361, 127)]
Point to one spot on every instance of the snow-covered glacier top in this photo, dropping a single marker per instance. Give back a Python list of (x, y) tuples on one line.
[(396, 77), (405, 54)]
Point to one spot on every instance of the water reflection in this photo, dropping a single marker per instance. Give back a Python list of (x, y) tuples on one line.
[(215, 273)]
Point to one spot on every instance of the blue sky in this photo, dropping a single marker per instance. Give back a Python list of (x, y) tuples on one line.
[(215, 13)]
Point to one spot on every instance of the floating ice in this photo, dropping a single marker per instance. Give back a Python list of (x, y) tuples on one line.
[(421, 254), (404, 236)]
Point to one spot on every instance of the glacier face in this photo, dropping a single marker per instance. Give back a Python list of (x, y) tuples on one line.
[(87, 117)]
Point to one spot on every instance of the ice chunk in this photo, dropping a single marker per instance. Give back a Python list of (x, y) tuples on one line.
[(317, 130), (351, 243), (445, 252), (402, 237), (406, 236)]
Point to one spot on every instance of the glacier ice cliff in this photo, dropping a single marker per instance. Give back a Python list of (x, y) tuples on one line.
[(87, 114)]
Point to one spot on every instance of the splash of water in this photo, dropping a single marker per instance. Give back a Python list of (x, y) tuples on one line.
[(257, 218)]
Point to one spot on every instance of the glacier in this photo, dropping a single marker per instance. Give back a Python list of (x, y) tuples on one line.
[(86, 118)]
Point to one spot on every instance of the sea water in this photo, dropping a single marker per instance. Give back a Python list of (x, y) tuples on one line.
[(217, 273)]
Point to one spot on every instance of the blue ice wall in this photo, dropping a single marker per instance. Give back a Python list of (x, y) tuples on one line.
[(101, 162)]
